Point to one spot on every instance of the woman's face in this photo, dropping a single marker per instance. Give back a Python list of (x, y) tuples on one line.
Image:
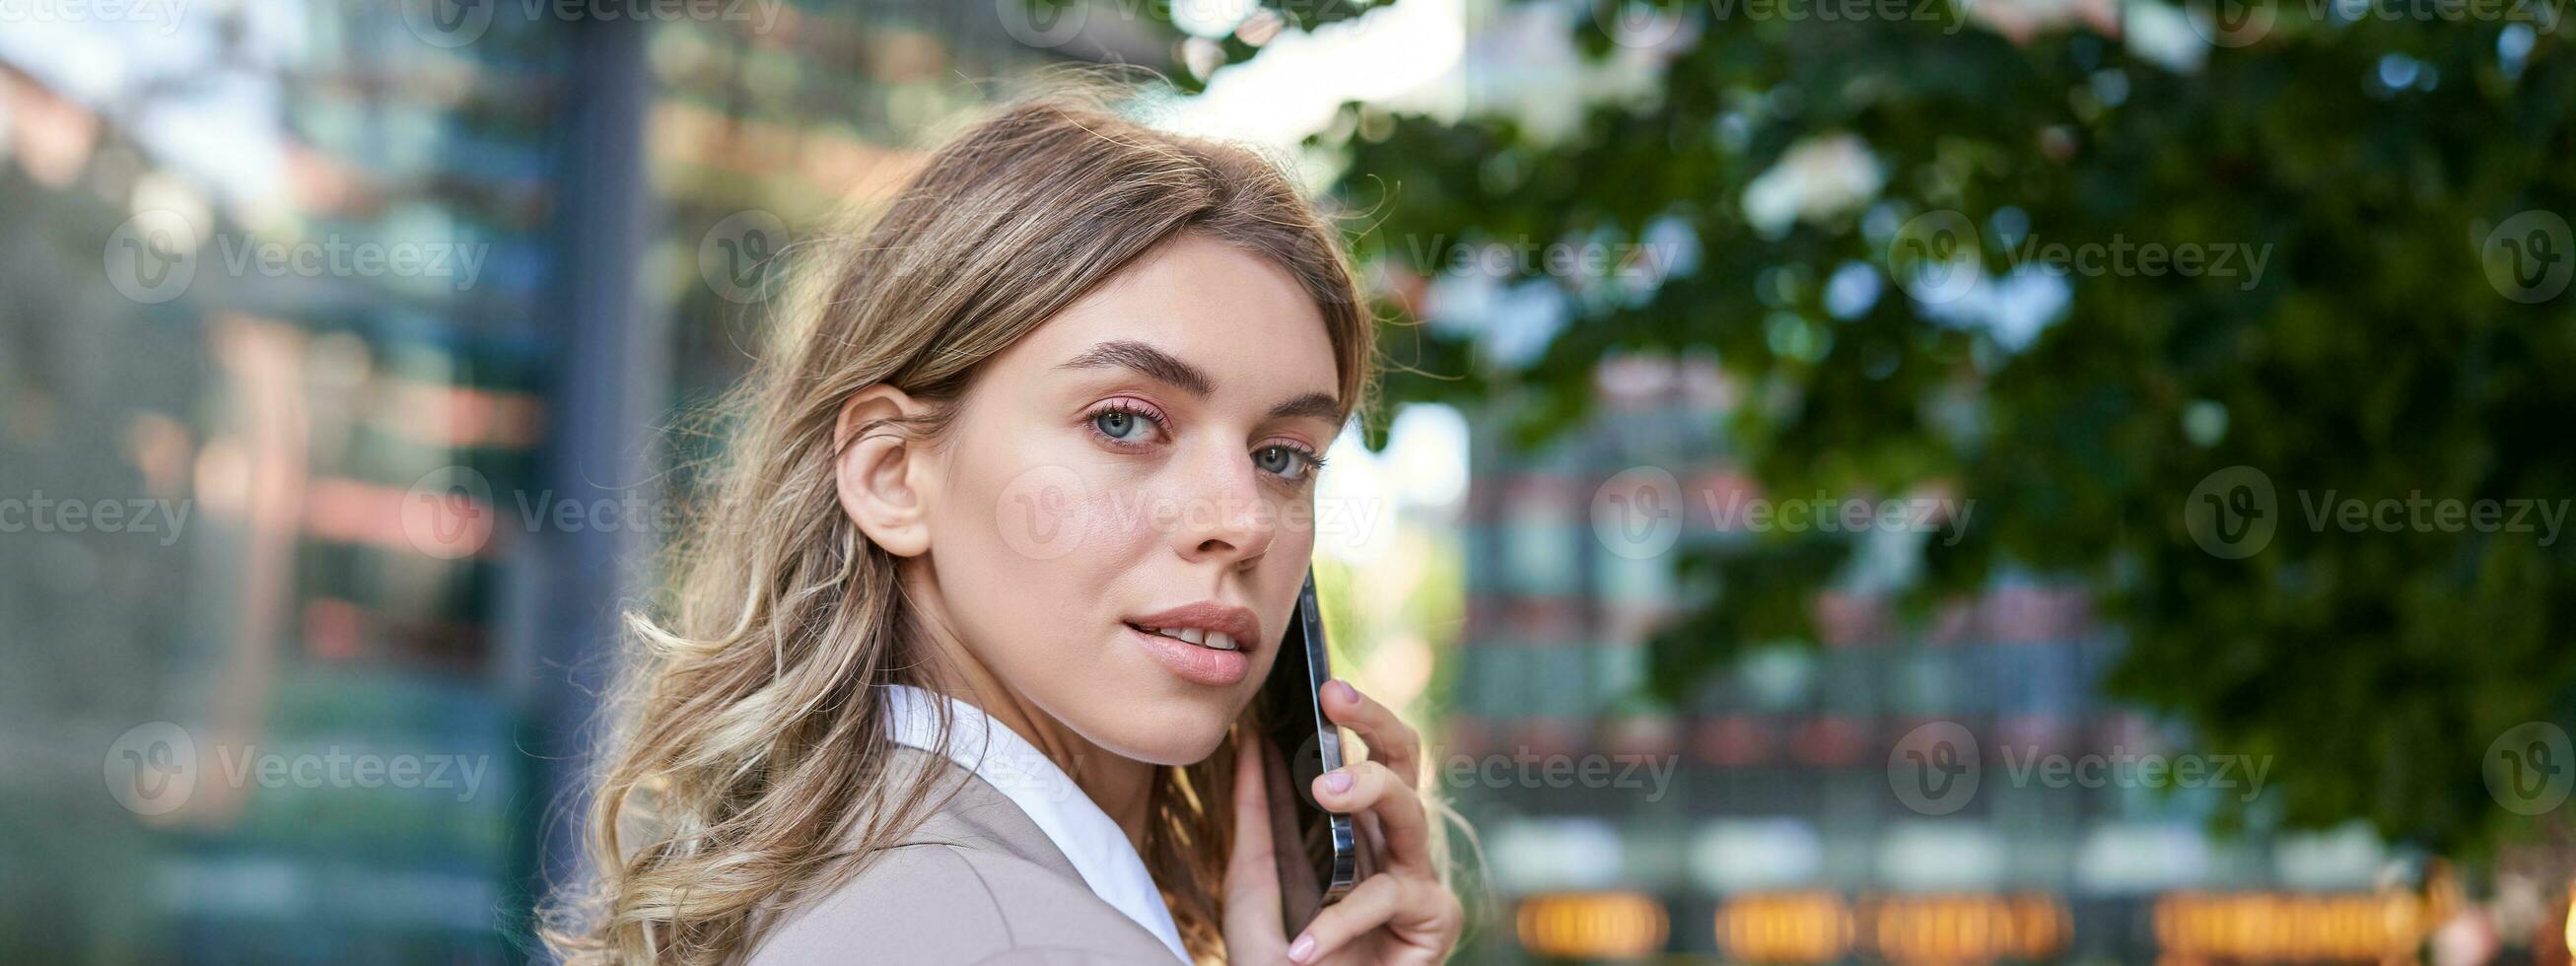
[(1146, 455)]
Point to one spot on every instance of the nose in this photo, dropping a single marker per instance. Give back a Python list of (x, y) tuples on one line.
[(1225, 518)]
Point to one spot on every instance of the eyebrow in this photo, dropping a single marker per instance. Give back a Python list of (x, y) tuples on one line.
[(1164, 367)]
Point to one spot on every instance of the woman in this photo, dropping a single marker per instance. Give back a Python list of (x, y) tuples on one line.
[(960, 664)]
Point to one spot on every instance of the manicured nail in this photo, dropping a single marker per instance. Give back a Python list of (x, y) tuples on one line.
[(1337, 781), (1343, 689), (1302, 949)]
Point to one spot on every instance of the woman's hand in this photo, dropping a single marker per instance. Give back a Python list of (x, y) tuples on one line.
[(1402, 914)]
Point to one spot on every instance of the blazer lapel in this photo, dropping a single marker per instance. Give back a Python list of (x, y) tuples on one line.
[(980, 814)]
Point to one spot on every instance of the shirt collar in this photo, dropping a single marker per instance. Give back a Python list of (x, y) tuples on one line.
[(1094, 843)]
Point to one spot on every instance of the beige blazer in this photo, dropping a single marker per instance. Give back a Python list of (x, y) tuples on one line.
[(977, 883)]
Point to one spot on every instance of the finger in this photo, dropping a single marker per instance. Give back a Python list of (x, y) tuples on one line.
[(1415, 910), (1252, 870), (1390, 740), (1369, 786), (1367, 906)]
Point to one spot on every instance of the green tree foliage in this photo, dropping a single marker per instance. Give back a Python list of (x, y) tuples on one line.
[(2372, 357)]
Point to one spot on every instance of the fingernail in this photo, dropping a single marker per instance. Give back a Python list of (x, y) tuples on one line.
[(1302, 948), (1343, 689), (1337, 782)]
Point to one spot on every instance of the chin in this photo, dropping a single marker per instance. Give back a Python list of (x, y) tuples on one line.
[(1173, 735)]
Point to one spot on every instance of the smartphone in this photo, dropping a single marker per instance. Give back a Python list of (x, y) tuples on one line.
[(1318, 851)]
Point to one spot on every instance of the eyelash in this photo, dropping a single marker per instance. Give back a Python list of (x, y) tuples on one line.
[(1091, 421)]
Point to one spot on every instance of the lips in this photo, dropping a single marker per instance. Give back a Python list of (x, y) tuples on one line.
[(1207, 623), (1212, 640), (1206, 642)]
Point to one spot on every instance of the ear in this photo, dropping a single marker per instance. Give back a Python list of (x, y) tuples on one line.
[(884, 478)]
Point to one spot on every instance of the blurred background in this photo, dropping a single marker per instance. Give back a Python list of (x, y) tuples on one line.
[(1925, 481)]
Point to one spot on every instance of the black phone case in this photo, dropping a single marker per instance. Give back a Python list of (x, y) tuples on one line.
[(1293, 710)]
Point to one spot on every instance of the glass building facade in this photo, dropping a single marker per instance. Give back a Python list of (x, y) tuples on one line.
[(1957, 790), (335, 343), (359, 320)]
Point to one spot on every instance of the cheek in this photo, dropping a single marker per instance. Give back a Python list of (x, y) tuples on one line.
[(1044, 512), (1052, 513)]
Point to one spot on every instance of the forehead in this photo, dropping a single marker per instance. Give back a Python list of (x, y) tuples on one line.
[(1236, 315)]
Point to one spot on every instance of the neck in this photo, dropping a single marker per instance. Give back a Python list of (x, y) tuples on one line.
[(1122, 787)]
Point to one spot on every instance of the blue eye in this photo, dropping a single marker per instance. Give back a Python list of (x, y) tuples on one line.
[(1288, 462), (1118, 423)]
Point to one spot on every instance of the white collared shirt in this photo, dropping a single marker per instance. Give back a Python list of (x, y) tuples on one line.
[(1096, 846)]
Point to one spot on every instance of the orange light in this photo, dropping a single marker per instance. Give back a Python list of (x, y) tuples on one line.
[(1596, 925), (1964, 928), (1786, 927), (2287, 926)]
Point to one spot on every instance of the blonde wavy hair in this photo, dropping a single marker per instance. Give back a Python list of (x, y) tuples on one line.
[(746, 769)]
